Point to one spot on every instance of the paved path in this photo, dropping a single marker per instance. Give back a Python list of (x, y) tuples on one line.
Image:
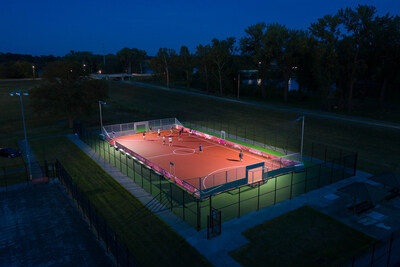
[(39, 226), (216, 250), (30, 159), (322, 114)]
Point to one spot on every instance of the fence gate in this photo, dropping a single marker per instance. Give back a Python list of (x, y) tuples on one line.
[(214, 223)]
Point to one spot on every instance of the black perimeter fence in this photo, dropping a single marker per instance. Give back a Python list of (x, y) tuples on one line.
[(235, 202), (19, 173), (384, 253), (98, 223)]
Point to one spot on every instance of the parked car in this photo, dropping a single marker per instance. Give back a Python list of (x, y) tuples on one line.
[(9, 152)]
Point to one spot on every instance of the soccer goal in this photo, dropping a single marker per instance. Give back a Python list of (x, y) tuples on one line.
[(223, 135)]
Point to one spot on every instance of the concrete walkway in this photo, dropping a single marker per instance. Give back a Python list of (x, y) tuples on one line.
[(322, 114), (30, 159), (217, 249), (39, 226)]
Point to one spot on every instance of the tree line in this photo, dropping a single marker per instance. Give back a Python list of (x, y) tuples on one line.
[(127, 60), (352, 53)]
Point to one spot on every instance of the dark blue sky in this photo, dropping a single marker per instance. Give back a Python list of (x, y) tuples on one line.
[(43, 27)]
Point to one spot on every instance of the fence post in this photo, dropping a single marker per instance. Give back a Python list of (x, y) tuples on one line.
[(120, 160), (170, 194), (141, 173), (198, 215), (258, 198), (275, 190), (106, 234), (115, 159), (312, 151), (239, 204), (183, 204), (390, 249), (355, 164), (151, 185), (159, 176), (291, 185), (305, 180), (319, 175), (372, 256)]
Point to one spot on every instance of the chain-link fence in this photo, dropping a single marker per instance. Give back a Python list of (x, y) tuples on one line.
[(234, 203), (384, 253), (103, 230), (15, 174), (278, 140)]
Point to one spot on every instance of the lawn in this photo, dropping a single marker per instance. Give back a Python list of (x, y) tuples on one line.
[(377, 146), (303, 237), (150, 239)]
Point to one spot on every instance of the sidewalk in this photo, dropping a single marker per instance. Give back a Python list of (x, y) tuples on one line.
[(30, 159), (217, 249)]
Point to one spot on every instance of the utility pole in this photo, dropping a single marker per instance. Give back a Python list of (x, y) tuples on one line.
[(238, 85)]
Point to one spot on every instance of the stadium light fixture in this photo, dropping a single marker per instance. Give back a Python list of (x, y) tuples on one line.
[(20, 93), (101, 118)]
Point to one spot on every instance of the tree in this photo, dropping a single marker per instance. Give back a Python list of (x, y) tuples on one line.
[(204, 62), (163, 62), (65, 91), (185, 62), (358, 24), (221, 54), (385, 52), (254, 44), (327, 33), (285, 45), (131, 59)]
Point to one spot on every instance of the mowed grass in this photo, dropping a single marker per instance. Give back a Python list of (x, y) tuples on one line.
[(303, 237), (11, 127), (151, 240), (378, 147)]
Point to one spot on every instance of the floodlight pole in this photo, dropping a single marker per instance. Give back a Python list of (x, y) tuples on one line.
[(101, 117), (302, 138), (19, 93)]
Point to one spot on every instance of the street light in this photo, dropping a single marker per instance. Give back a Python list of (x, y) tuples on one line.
[(33, 71), (302, 136), (20, 93), (101, 118)]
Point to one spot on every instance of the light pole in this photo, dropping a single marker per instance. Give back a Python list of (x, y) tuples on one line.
[(33, 71), (101, 118), (302, 136), (20, 93)]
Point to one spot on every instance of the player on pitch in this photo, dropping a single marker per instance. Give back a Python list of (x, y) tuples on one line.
[(170, 141), (241, 155), (172, 129), (144, 135), (163, 140), (200, 148), (158, 132)]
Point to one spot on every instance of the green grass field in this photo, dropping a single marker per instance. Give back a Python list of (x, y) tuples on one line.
[(151, 240), (303, 237), (377, 146)]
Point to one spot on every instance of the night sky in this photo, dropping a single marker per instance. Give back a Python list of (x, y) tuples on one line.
[(43, 27)]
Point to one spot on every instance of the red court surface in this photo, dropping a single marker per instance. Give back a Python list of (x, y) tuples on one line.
[(215, 165)]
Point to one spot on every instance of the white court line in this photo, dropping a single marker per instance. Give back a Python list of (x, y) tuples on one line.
[(177, 154), (218, 144), (205, 178)]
